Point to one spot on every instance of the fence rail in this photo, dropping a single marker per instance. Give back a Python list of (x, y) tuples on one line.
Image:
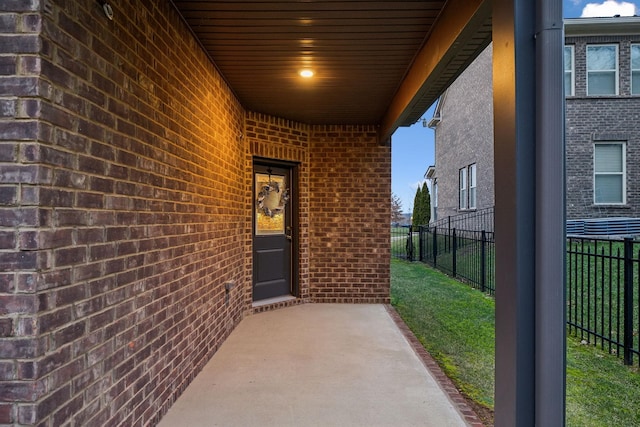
[(603, 278), (479, 220)]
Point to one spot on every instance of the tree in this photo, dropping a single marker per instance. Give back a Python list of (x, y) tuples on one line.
[(396, 208), (422, 206), (417, 207), (426, 203)]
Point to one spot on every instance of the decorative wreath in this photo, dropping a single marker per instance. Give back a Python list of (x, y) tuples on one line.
[(267, 189)]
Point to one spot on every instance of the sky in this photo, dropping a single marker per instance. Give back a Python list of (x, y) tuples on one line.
[(412, 148)]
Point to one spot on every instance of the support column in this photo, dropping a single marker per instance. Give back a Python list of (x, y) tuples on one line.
[(529, 216), (551, 246)]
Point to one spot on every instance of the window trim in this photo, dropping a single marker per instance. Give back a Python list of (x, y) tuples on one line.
[(462, 187), (434, 205), (616, 69), (435, 193), (571, 71), (473, 185), (623, 173), (637, 91)]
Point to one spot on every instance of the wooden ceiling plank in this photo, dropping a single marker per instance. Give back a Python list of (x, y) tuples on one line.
[(315, 15), (360, 50), (253, 6), (314, 31)]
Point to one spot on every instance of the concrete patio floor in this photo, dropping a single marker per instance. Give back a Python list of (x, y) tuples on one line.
[(316, 365)]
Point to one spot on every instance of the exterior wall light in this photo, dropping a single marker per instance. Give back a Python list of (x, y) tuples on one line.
[(306, 73), (108, 10)]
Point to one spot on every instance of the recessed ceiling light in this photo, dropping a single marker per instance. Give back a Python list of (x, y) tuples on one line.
[(306, 73)]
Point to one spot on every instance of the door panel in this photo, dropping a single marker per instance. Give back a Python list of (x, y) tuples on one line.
[(271, 232)]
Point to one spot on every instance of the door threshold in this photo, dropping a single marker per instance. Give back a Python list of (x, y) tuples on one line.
[(273, 300)]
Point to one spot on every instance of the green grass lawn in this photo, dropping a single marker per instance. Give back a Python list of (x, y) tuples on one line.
[(456, 324)]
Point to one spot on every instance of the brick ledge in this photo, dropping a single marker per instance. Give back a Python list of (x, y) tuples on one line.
[(445, 383)]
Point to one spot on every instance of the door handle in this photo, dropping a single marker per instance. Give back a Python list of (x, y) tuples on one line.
[(288, 236)]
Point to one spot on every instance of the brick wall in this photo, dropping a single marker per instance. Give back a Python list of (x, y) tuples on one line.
[(465, 136), (278, 139), (122, 189), (125, 207), (461, 140), (20, 216), (600, 119), (350, 202), (344, 203)]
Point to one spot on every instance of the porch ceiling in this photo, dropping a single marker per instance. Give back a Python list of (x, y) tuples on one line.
[(361, 52)]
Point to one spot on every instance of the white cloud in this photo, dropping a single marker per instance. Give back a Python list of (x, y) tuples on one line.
[(417, 184), (608, 8)]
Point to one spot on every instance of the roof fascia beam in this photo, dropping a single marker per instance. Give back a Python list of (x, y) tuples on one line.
[(458, 23)]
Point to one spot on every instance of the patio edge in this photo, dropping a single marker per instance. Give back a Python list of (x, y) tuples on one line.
[(456, 397)]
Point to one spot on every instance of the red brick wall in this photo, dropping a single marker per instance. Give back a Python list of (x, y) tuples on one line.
[(279, 139), (350, 202), (125, 207), (19, 213), (345, 188)]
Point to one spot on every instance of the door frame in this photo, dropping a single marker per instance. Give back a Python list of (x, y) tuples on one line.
[(294, 198)]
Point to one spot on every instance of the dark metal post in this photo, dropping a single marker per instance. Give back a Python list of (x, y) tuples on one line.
[(410, 244), (628, 301), (447, 244), (455, 246), (435, 246), (529, 176), (420, 243), (514, 148), (483, 262), (550, 223)]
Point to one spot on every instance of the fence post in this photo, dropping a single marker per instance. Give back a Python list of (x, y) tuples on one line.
[(420, 243), (410, 244), (435, 246), (447, 241), (628, 301), (483, 261), (455, 246)]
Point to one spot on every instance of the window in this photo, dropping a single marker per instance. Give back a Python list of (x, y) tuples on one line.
[(463, 189), (602, 70), (435, 201), (472, 186), (467, 187), (569, 82), (635, 69), (609, 173)]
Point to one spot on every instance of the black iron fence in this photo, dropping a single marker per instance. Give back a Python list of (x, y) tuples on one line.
[(602, 294), (479, 220), (603, 278), (467, 255)]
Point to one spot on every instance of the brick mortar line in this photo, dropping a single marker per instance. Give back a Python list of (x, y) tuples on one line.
[(432, 366)]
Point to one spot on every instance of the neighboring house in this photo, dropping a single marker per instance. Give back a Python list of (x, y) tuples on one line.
[(602, 85), (462, 180)]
